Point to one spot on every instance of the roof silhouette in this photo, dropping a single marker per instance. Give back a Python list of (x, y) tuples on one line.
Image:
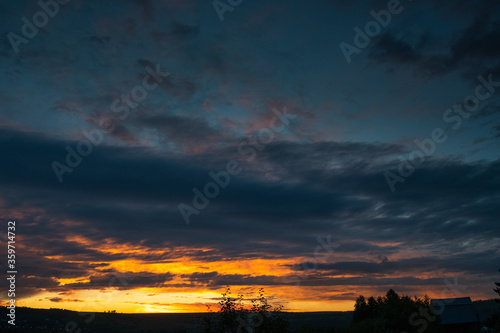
[(456, 310)]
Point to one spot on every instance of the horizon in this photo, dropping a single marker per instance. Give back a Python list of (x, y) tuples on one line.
[(203, 312), (157, 152)]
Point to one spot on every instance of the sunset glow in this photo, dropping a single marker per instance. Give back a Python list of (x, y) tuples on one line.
[(156, 153)]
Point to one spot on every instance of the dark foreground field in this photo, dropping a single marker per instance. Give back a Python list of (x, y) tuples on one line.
[(36, 320), (57, 321)]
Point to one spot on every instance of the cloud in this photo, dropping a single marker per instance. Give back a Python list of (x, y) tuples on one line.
[(59, 300), (55, 299), (466, 52), (123, 281), (184, 131), (333, 186), (474, 263)]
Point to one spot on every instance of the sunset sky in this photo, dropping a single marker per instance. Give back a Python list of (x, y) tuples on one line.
[(156, 152)]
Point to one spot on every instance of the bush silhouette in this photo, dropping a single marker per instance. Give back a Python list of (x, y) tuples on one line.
[(234, 317)]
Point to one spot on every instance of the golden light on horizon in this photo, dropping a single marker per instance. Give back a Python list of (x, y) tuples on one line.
[(176, 282)]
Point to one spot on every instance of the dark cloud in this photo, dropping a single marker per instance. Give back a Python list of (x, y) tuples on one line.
[(148, 9), (470, 51), (178, 34), (56, 299), (183, 31), (314, 279), (59, 299), (182, 129), (325, 188), (318, 181), (201, 277), (420, 265)]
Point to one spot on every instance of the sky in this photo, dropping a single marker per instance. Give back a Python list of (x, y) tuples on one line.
[(156, 152)]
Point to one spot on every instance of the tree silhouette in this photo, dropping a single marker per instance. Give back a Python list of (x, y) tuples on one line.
[(494, 320), (497, 290), (393, 313)]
